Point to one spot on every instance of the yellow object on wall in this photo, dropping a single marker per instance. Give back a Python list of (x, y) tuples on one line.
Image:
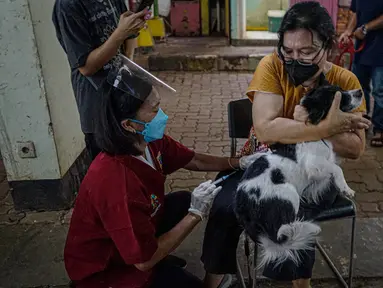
[(145, 39), (227, 17), (253, 28), (205, 17), (157, 27)]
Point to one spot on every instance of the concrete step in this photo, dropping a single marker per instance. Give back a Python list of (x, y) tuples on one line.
[(203, 62), (202, 54)]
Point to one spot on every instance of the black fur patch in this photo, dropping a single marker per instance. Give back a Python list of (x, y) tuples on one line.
[(318, 102), (285, 150), (243, 206), (257, 168), (282, 239), (277, 176), (252, 214), (255, 192), (310, 211)]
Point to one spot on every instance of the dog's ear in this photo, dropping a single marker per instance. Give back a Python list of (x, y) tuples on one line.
[(318, 102), (314, 107)]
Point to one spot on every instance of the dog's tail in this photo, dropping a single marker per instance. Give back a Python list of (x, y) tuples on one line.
[(292, 239)]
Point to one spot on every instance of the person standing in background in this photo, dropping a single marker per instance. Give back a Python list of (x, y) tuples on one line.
[(366, 24), (92, 33)]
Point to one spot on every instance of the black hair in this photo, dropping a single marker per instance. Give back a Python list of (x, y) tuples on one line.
[(116, 106), (312, 16)]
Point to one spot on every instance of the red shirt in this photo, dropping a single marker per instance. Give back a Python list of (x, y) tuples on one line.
[(115, 217)]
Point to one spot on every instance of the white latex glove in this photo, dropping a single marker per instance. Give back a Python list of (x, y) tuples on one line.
[(202, 199)]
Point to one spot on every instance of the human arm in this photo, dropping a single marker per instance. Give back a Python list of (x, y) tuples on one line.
[(350, 28), (203, 162), (201, 201), (133, 233), (349, 145), (170, 241), (375, 24), (131, 43), (101, 55), (270, 127), (177, 156), (129, 46), (129, 25)]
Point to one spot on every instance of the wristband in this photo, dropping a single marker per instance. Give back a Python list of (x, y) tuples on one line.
[(231, 166), (364, 29)]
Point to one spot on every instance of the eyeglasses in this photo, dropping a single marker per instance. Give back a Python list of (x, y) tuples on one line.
[(305, 60)]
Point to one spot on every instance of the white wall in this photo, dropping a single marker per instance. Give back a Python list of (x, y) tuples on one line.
[(24, 110), (62, 105), (35, 93)]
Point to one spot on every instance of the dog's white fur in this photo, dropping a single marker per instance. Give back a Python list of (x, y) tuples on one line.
[(306, 178), (300, 234)]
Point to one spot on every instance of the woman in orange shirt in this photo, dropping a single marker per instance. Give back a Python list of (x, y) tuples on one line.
[(306, 38)]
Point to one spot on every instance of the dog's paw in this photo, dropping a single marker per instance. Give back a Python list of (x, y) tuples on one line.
[(349, 193)]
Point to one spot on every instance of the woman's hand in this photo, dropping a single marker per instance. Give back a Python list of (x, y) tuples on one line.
[(345, 37), (131, 23), (338, 122), (300, 114), (202, 199)]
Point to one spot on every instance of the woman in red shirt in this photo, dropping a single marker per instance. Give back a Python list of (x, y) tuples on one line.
[(123, 225)]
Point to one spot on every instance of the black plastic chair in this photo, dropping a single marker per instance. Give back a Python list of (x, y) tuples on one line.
[(240, 122)]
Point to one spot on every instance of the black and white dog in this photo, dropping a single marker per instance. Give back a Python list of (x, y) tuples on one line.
[(272, 188)]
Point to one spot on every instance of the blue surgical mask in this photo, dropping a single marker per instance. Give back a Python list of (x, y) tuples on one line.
[(155, 129)]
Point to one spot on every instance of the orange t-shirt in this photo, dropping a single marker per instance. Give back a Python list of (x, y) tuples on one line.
[(271, 77)]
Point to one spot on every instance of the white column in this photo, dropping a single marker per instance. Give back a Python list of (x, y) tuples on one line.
[(241, 18), (238, 19), (40, 136)]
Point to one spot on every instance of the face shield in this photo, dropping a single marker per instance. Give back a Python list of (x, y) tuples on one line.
[(129, 77)]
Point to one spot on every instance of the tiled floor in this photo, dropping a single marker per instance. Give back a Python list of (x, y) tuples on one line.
[(198, 119)]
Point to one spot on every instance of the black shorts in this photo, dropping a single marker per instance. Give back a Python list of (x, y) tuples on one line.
[(222, 235)]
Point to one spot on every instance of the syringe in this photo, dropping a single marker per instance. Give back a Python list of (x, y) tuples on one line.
[(223, 178)]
